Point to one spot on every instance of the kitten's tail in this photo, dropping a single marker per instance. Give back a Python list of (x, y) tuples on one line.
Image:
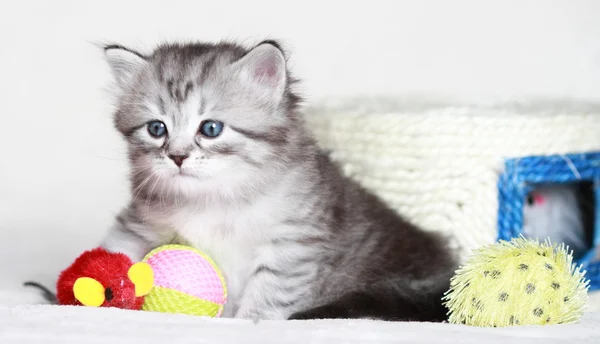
[(46, 293)]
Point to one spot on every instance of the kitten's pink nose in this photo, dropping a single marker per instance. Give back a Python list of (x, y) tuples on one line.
[(178, 159)]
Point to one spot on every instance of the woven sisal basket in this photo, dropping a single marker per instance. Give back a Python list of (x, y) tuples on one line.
[(439, 163)]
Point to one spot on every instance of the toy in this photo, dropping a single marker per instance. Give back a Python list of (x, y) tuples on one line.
[(521, 282), (186, 282), (171, 279), (553, 212), (99, 278)]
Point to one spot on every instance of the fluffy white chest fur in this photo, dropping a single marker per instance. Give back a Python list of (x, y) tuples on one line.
[(238, 239)]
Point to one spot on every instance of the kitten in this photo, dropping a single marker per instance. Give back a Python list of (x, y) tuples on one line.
[(221, 160)]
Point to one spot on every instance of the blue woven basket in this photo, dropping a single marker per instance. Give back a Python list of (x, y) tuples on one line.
[(521, 175)]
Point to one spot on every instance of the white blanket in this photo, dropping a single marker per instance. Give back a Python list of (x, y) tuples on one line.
[(56, 324)]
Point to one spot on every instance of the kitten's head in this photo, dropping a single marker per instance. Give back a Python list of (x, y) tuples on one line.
[(204, 118)]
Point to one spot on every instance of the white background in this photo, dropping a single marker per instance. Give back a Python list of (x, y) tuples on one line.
[(62, 167)]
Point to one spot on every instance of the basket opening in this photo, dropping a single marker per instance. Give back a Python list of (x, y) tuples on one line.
[(554, 196)]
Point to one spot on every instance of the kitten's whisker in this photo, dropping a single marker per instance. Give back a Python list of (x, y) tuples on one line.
[(171, 188), (141, 186), (154, 185), (140, 171), (161, 198), (138, 188), (147, 203)]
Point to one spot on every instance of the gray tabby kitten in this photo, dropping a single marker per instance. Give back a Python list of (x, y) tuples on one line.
[(220, 160)]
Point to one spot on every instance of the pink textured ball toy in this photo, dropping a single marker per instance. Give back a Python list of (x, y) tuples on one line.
[(186, 281)]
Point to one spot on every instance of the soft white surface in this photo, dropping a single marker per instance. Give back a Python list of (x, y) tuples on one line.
[(53, 324)]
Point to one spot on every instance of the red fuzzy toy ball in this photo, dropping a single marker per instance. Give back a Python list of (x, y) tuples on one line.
[(103, 277)]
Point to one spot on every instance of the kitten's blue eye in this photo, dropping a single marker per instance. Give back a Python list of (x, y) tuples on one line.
[(211, 128), (157, 128)]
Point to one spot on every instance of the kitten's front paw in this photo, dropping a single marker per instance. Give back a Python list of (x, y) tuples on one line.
[(256, 316), (322, 312)]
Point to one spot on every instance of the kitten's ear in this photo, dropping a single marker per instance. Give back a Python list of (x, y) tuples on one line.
[(125, 63), (264, 69)]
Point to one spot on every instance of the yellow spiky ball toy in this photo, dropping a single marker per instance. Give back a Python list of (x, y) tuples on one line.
[(517, 282)]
